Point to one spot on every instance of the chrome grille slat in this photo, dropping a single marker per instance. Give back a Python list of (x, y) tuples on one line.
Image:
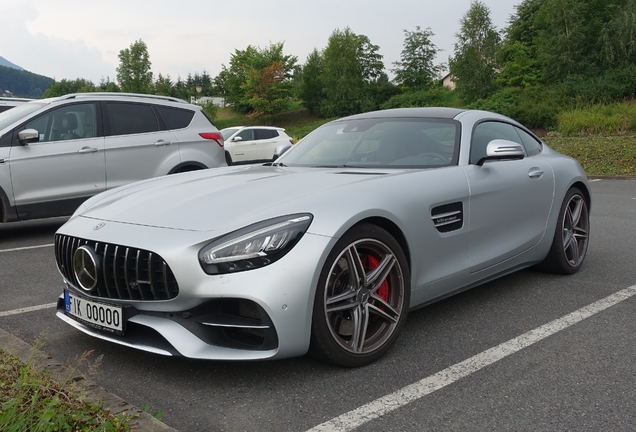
[(128, 281), (121, 265), (152, 285)]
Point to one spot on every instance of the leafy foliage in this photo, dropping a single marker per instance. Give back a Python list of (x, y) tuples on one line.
[(311, 82), (415, 69), (437, 96), (79, 85), (133, 73), (350, 67), (476, 49), (259, 80)]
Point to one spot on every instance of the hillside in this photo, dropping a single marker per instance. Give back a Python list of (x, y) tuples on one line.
[(21, 83)]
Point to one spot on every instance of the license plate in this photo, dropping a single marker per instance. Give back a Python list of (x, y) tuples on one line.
[(100, 316)]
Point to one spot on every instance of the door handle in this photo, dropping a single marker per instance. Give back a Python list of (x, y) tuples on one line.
[(87, 150), (162, 143), (535, 173)]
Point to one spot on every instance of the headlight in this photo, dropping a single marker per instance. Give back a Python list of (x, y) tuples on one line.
[(254, 246)]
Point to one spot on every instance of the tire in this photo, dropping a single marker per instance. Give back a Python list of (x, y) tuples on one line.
[(228, 159), (571, 236), (378, 299)]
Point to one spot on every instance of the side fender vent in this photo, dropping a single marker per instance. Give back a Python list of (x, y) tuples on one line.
[(448, 217)]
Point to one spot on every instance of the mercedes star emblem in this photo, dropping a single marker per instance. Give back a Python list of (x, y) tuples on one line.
[(85, 266)]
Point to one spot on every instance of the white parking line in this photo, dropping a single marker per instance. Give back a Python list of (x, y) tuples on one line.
[(27, 247), (353, 419), (27, 309)]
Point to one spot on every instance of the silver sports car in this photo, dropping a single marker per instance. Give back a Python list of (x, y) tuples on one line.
[(327, 249)]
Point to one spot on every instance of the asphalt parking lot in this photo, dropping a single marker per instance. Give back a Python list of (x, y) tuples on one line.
[(530, 351)]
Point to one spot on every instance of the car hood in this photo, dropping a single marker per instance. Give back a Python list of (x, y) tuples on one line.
[(221, 197)]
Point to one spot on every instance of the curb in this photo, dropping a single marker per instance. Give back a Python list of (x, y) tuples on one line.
[(60, 373)]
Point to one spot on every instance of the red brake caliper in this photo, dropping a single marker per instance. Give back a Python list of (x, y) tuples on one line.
[(370, 262)]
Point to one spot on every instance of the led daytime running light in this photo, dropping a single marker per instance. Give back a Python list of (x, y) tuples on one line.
[(254, 244)]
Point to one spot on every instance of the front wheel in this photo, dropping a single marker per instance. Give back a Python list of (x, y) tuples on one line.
[(571, 236), (362, 298)]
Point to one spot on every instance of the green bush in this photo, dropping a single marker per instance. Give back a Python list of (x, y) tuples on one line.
[(535, 107), (438, 96)]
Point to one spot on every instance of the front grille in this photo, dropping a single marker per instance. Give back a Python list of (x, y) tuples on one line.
[(125, 273)]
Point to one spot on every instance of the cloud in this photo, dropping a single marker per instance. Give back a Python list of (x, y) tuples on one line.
[(51, 56)]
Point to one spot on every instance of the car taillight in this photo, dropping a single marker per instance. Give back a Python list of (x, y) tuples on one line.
[(216, 136)]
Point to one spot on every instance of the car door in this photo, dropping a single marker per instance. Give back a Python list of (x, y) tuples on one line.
[(243, 148), (136, 146), (64, 167), (266, 142), (510, 200)]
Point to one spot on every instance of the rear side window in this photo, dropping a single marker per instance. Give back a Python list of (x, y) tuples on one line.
[(263, 134), (127, 118), (175, 118), (4, 108)]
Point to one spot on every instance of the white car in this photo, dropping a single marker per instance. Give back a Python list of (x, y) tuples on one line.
[(253, 143)]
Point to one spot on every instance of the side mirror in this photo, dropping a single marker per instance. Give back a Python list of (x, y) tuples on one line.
[(28, 136), (280, 149), (237, 138), (502, 149)]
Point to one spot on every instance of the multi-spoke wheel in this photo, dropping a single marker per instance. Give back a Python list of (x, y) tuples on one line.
[(571, 237), (362, 298)]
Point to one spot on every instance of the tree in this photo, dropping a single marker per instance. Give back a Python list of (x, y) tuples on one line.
[(475, 61), (415, 69), (133, 73), (520, 64), (163, 85), (350, 64), (311, 82), (64, 87), (262, 77), (618, 37)]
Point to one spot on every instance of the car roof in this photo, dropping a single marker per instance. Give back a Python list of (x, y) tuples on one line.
[(117, 96), (435, 112)]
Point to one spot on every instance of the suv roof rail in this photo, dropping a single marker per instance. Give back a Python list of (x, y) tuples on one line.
[(139, 95), (17, 99)]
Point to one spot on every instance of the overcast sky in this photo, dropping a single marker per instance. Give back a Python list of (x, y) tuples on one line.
[(68, 39)]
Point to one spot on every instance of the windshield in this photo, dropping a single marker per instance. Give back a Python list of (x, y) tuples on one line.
[(379, 142), (228, 132), (11, 116)]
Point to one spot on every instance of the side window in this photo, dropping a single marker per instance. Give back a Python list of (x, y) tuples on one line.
[(263, 134), (65, 123), (247, 135), (486, 132), (127, 118), (533, 147), (175, 118)]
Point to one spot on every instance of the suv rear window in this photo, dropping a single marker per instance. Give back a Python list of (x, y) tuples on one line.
[(127, 118), (175, 118), (262, 134)]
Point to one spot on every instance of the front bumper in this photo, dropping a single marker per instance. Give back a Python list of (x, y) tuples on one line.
[(257, 314)]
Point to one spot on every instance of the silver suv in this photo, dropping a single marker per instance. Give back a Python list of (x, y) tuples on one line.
[(55, 153), (7, 103)]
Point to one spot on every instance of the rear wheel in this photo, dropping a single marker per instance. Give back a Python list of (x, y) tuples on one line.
[(571, 236), (362, 298)]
